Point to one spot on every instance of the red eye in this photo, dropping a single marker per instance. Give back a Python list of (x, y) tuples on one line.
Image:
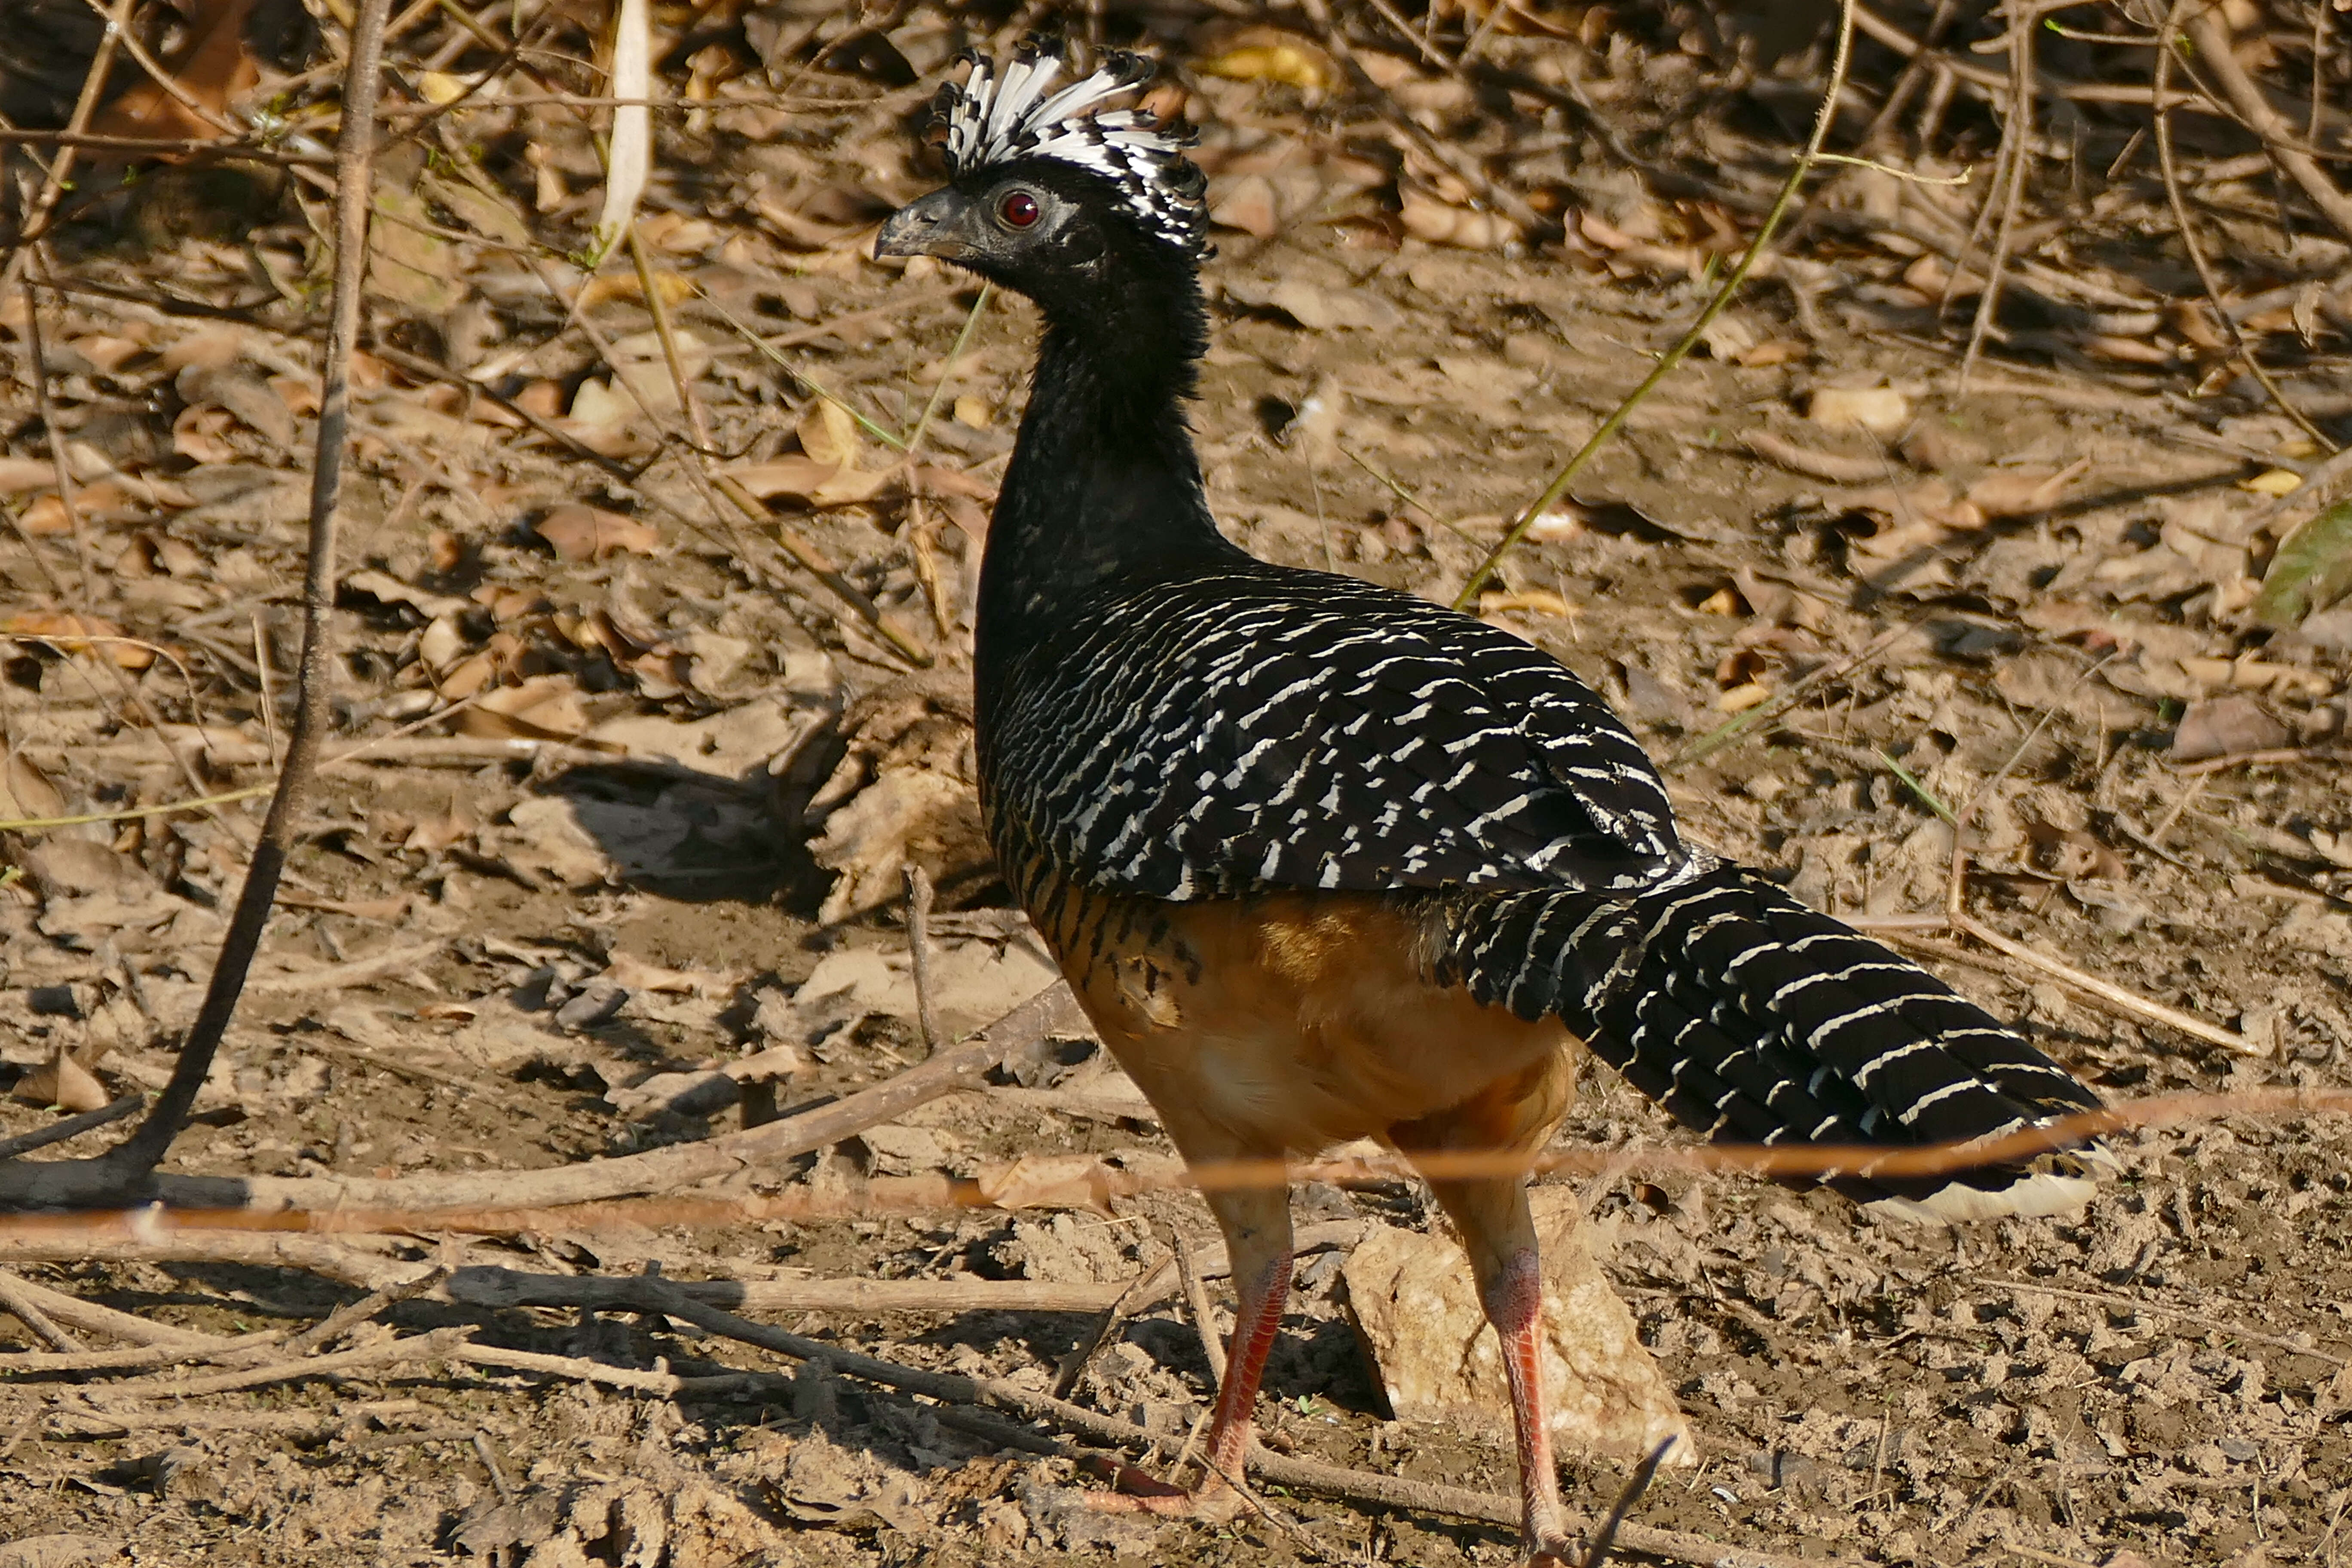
[(1019, 210)]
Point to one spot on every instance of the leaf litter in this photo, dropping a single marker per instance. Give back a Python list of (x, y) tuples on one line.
[(644, 794)]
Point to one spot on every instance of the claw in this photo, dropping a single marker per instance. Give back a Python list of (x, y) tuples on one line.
[(1214, 1502)]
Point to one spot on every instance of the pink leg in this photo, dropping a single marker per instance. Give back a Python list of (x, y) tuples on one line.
[(1256, 1224), (1258, 1319), (1514, 1301), (1500, 1237)]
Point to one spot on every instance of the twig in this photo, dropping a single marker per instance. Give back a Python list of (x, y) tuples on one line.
[(338, 976), (36, 222), (659, 1296), (91, 1317), (579, 1369), (354, 156), (37, 354), (2115, 995), (1782, 702), (1674, 356), (1050, 1011), (2210, 36), (324, 1331), (2017, 140), (503, 1288), (2157, 1308), (29, 1313), (432, 1346), (947, 371), (919, 952), (71, 1127), (2190, 241), (1139, 1292), (1606, 1536), (1197, 1308)]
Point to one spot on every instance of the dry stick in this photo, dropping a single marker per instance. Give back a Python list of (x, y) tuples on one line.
[(2158, 1310), (355, 163), (2196, 247), (359, 1311), (91, 1317), (2115, 995), (312, 1254), (71, 1127), (502, 1288), (1389, 1491), (667, 1384), (85, 104), (421, 1347), (1139, 1292), (1050, 1011), (919, 952), (1197, 1308), (37, 354), (1674, 356), (2017, 139), (162, 146), (648, 287), (1606, 1536), (139, 1358), (2212, 38), (29, 1313)]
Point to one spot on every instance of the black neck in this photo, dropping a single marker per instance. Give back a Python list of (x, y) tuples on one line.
[(1104, 483)]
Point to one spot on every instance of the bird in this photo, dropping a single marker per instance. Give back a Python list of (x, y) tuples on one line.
[(1323, 860)]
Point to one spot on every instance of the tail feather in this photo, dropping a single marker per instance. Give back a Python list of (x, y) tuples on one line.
[(1755, 1020)]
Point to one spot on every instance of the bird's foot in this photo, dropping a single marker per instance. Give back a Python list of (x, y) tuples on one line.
[(1215, 1501), (1555, 1551)]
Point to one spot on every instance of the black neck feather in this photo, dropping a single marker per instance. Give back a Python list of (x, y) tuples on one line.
[(1104, 483)]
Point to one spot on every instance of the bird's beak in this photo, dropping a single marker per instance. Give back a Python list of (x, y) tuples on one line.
[(935, 225)]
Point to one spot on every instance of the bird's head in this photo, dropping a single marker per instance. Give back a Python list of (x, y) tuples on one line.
[(1051, 194)]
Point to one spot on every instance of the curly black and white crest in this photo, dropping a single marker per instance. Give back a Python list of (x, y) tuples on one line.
[(1001, 113)]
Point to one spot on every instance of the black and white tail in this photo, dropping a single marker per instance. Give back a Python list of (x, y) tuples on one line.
[(1757, 1020)]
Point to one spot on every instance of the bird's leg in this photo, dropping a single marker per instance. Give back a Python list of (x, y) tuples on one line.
[(1256, 1222), (1500, 1237)]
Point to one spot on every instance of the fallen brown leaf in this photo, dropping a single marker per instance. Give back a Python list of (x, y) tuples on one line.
[(70, 633), (579, 532), (63, 1082)]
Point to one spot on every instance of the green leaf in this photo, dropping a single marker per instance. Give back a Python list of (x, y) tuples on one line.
[(2312, 570)]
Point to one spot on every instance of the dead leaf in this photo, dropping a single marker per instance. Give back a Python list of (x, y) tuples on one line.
[(75, 634), (212, 68), (637, 974), (543, 708), (1880, 410), (580, 532), (2226, 727), (803, 479), (1246, 204), (388, 589), (62, 1082), (25, 792), (2023, 492), (548, 838), (1835, 467), (18, 475), (1267, 54), (1440, 223), (829, 434)]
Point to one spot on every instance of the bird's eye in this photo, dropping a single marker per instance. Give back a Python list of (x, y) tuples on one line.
[(1018, 209)]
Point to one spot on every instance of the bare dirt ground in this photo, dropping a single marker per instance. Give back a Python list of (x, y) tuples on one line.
[(623, 868)]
